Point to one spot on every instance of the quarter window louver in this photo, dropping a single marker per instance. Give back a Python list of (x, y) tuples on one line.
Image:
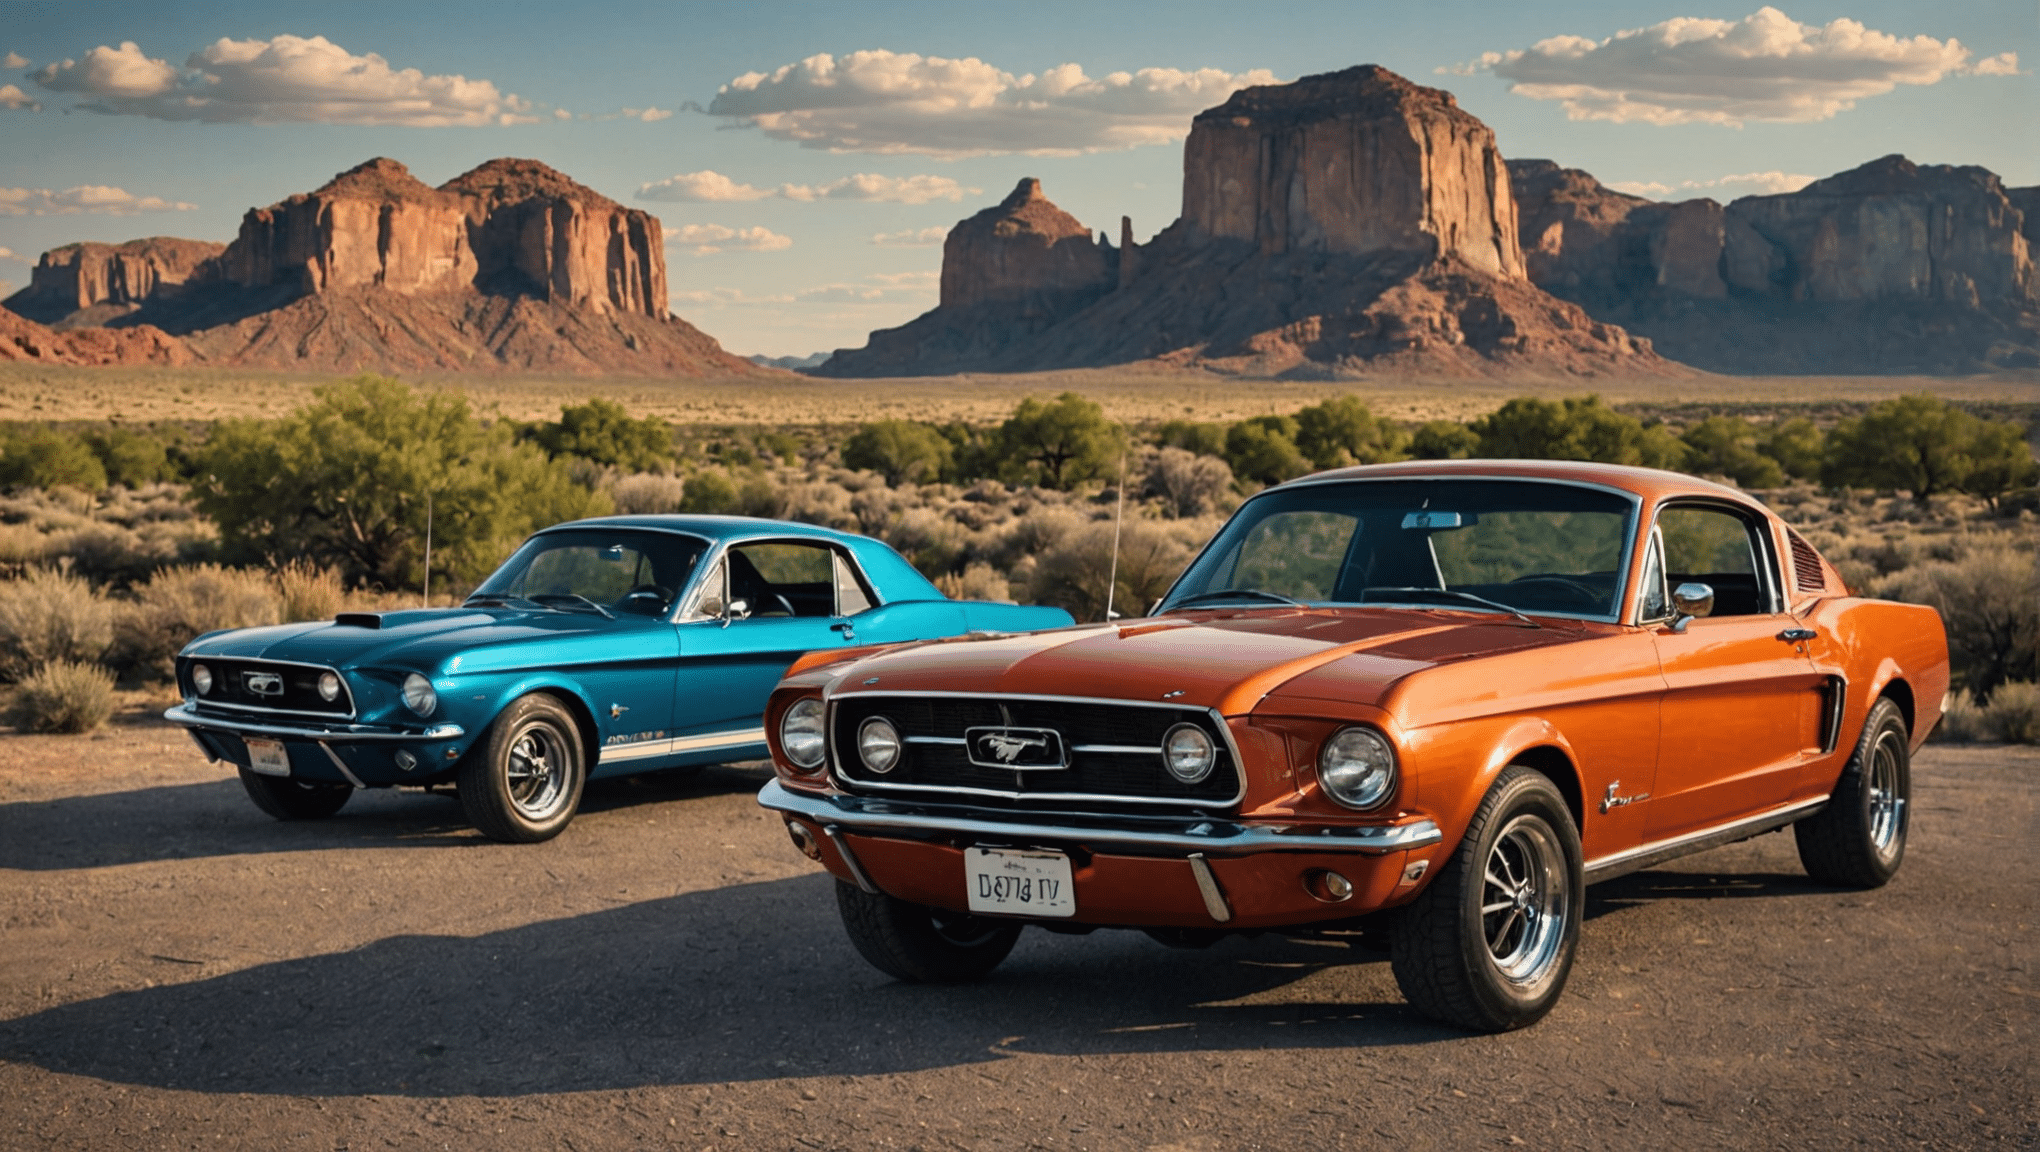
[(1806, 568)]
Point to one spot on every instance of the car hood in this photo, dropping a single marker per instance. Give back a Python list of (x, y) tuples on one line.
[(1226, 660), (421, 638)]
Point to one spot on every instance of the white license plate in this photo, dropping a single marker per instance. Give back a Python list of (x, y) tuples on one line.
[(1019, 883), (268, 758)]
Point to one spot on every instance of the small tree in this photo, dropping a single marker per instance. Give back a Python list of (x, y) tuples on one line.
[(1726, 446), (1797, 445), (1343, 431), (2000, 461), (1191, 436), (1264, 449), (603, 431), (1919, 444), (47, 458), (131, 458), (1063, 442), (1577, 428), (899, 450), (1444, 440)]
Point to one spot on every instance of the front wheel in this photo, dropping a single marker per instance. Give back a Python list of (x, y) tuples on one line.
[(922, 945), (1858, 840), (524, 783), (1489, 944), (288, 799)]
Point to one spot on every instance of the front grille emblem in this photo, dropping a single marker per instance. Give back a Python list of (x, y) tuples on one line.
[(1016, 748), (262, 683)]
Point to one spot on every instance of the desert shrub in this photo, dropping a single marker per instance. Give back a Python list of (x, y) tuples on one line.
[(1798, 445), (899, 450), (47, 458), (1264, 450), (62, 696), (1924, 445), (930, 541), (709, 491), (2000, 462), (178, 604), (648, 493), (131, 459), (1190, 436), (48, 615), (2012, 714), (1187, 484), (1961, 720), (1060, 443), (1342, 431), (348, 480), (1990, 603), (1576, 428), (305, 591), (604, 432), (1727, 446), (1443, 440), (1075, 572), (977, 582)]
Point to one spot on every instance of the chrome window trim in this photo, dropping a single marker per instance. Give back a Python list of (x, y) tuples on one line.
[(684, 604), (352, 708), (830, 699), (1623, 591), (1756, 526)]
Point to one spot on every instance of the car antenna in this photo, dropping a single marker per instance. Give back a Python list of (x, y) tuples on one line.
[(1118, 516), (428, 549)]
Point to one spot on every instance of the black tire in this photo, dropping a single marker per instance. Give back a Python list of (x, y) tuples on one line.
[(1858, 840), (289, 799), (1500, 967), (922, 945), (523, 784)]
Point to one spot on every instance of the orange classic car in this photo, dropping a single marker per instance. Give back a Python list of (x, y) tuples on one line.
[(1426, 703)]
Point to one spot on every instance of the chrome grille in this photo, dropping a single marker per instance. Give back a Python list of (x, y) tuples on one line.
[(293, 688)]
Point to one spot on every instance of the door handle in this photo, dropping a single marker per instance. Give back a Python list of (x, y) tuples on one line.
[(844, 626), (1796, 635)]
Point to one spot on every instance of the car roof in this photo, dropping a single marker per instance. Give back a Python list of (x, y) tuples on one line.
[(713, 527), (1651, 484)]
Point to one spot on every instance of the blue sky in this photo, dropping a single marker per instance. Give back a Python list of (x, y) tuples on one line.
[(780, 251)]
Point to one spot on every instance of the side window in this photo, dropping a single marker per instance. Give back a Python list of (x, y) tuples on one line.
[(1718, 548), (851, 598), (1654, 601), (783, 579)]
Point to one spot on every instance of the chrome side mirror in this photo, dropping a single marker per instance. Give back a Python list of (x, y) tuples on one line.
[(739, 610), (1689, 603)]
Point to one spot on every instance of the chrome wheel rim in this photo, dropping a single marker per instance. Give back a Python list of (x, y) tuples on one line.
[(536, 771), (1887, 801), (1525, 899)]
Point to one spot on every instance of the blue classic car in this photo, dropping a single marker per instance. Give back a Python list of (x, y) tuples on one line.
[(604, 647)]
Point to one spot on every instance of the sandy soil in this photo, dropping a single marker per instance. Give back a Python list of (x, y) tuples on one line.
[(178, 971)]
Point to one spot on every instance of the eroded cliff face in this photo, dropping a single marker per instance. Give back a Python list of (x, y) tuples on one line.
[(375, 225), (110, 277), (1345, 224), (533, 229)]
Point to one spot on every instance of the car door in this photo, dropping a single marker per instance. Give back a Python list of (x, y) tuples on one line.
[(762, 606), (1742, 700)]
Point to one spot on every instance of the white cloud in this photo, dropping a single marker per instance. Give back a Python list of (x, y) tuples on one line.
[(11, 254), (562, 114), (1766, 66), (704, 187), (648, 115), (2002, 64), (287, 79), (97, 199), (725, 297), (14, 60), (1742, 184), (912, 238), (703, 239), (14, 99), (709, 186), (894, 102)]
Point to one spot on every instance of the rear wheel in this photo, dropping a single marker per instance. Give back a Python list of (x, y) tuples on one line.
[(922, 945), (1489, 944), (1858, 840), (289, 799), (524, 783)]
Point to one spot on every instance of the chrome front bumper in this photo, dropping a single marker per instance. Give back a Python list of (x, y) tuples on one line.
[(1152, 837), (190, 717)]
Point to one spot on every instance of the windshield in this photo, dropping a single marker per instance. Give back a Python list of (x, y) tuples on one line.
[(592, 569), (1555, 549)]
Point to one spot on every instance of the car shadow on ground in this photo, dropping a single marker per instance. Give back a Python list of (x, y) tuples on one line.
[(194, 821), (754, 981), (1658, 885)]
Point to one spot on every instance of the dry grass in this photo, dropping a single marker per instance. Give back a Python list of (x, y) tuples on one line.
[(63, 697), (134, 395)]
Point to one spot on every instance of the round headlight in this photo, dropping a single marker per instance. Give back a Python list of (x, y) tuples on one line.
[(878, 744), (419, 696), (1188, 753), (800, 733), (201, 678), (1357, 767), (329, 687)]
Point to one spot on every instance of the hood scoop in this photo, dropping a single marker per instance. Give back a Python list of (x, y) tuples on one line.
[(359, 620)]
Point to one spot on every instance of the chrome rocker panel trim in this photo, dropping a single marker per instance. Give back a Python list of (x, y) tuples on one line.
[(877, 817), (1657, 852), (189, 717)]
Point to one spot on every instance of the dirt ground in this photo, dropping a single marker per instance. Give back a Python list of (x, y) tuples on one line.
[(178, 971)]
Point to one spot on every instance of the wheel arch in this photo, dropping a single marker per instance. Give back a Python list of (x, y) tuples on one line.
[(1899, 692), (1557, 766), (569, 698)]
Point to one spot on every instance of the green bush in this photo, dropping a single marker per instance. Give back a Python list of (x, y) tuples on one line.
[(1577, 428), (47, 458), (1342, 431), (1727, 446), (132, 459), (1190, 436), (1444, 440), (1061, 443), (48, 615), (1924, 445), (899, 450), (603, 431), (1264, 449), (63, 696), (346, 481), (1798, 445)]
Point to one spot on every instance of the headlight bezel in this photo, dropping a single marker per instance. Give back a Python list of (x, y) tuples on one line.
[(1375, 785), (804, 708), (864, 754), (330, 679), (1210, 753), (419, 695)]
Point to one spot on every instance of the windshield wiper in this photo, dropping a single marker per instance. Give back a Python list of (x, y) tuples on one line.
[(1450, 594), (485, 599), (546, 598), (1234, 593)]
